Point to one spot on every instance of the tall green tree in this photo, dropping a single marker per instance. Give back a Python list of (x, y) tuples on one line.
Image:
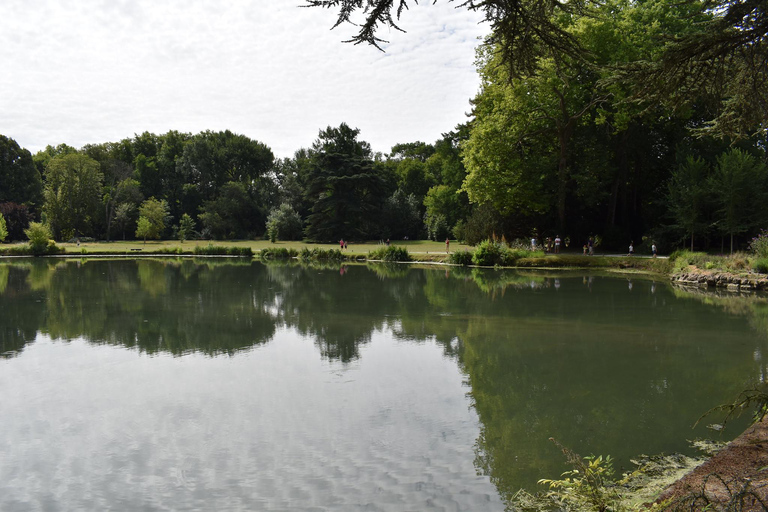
[(186, 227), (724, 55), (687, 195), (211, 159), (284, 223), (402, 216), (232, 214), (738, 185), (344, 187), (73, 185), (20, 181), (153, 218), (3, 229)]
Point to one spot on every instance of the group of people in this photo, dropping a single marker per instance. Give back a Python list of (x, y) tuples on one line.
[(550, 244), (632, 249), (553, 245)]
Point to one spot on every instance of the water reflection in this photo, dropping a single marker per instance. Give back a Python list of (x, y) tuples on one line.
[(605, 365)]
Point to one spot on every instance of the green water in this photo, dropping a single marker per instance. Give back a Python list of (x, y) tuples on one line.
[(231, 385)]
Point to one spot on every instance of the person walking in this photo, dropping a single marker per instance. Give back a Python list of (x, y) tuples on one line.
[(653, 250), (591, 245), (631, 248), (447, 244), (557, 244)]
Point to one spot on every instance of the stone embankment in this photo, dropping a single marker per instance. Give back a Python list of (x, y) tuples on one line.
[(730, 282)]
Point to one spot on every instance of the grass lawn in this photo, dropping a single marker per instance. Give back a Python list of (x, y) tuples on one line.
[(362, 248)]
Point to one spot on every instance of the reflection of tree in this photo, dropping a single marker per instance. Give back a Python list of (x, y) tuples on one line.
[(22, 314), (590, 371), (151, 277), (4, 271), (541, 360), (340, 311), (152, 305)]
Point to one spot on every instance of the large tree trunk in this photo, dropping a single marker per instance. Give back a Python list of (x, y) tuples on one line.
[(562, 177)]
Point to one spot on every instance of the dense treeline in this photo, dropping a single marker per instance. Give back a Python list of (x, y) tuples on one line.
[(582, 141)]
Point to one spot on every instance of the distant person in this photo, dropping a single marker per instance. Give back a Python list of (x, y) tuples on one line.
[(447, 244), (345, 244), (585, 249), (591, 245), (533, 243), (631, 248), (557, 244), (341, 244), (387, 242), (653, 250)]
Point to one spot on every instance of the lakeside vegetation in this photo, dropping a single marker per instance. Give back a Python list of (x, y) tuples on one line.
[(490, 253)]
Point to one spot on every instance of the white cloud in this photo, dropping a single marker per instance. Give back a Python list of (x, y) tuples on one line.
[(100, 70)]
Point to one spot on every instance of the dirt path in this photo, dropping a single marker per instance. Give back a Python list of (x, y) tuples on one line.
[(736, 478)]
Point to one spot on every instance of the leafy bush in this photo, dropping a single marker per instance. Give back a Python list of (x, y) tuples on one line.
[(168, 250), (283, 253), (321, 254), (391, 253), (284, 223), (760, 265), (186, 228), (759, 245), (489, 253), (588, 486), (460, 258), (218, 250), (40, 239), (437, 228)]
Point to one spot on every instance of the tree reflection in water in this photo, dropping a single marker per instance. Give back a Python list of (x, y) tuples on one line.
[(599, 367)]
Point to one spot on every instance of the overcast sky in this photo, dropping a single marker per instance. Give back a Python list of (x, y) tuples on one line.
[(92, 71)]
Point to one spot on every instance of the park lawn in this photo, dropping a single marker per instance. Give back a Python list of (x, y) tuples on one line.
[(361, 248)]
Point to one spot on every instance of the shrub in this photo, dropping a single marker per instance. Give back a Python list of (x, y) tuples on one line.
[(3, 229), (321, 254), (218, 250), (391, 253), (759, 245), (284, 223), (489, 253), (437, 228), (460, 258), (760, 265), (186, 229), (40, 239), (278, 253)]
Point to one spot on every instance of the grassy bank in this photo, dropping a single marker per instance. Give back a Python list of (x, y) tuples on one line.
[(426, 249), (487, 254)]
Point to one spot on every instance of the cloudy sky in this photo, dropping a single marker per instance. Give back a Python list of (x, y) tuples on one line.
[(91, 71)]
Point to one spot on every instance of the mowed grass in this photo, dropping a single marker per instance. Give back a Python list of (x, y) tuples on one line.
[(362, 248)]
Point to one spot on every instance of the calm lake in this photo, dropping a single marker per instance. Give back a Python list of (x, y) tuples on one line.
[(222, 384)]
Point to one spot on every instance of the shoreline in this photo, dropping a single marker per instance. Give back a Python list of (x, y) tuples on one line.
[(734, 476)]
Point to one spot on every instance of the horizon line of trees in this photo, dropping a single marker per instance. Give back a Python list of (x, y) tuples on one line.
[(227, 186)]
